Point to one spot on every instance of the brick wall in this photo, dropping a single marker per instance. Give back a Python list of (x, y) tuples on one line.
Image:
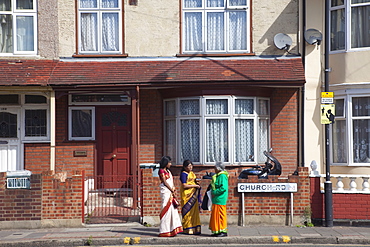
[(151, 121), (284, 128), (346, 206), (65, 160), (37, 157), (260, 208), (49, 200)]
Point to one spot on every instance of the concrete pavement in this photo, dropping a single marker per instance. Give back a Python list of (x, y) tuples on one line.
[(137, 234)]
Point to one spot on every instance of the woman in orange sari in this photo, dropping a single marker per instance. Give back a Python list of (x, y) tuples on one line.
[(189, 199), (170, 224)]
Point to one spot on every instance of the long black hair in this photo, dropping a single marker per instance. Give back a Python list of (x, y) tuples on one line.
[(164, 162), (185, 164)]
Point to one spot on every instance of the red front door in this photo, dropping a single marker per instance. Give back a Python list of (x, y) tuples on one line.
[(113, 126)]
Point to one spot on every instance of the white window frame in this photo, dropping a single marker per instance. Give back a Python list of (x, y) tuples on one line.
[(84, 138), (231, 118), (348, 95), (226, 10), (16, 13), (347, 6), (99, 11)]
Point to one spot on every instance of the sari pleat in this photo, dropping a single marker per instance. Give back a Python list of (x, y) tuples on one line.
[(170, 222), (190, 207)]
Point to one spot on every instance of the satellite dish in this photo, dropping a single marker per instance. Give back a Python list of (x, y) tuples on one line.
[(313, 36), (282, 41)]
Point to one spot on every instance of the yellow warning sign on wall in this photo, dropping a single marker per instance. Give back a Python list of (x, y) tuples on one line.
[(327, 113)]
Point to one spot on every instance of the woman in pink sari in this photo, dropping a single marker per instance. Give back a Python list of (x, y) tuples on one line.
[(170, 224)]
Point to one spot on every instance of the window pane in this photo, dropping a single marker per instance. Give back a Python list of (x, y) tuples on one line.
[(81, 123), (337, 30), (189, 107), (109, 3), (361, 106), (35, 99), (110, 32), (193, 31), (361, 132), (339, 107), (339, 142), (337, 2), (88, 4), (216, 106), (170, 139), (215, 3), (5, 5), (100, 98), (217, 148), (244, 106), (215, 31), (360, 26), (6, 34), (192, 3), (190, 142), (9, 99), (238, 2), (238, 30), (35, 124), (89, 32), (263, 139), (25, 33), (8, 125), (170, 108), (24, 4), (263, 107), (360, 1), (244, 140)]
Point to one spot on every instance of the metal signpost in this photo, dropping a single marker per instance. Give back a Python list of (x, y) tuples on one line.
[(267, 187)]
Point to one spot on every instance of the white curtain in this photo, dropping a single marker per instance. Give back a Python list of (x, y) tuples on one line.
[(193, 31), (192, 3), (263, 138), (190, 142), (217, 140), (238, 30), (244, 140), (25, 33), (360, 27), (110, 32), (215, 3), (6, 34), (170, 139), (215, 31), (89, 32), (88, 4), (339, 142), (109, 3)]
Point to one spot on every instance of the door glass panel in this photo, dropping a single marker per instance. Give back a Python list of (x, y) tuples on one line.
[(114, 117), (8, 125), (36, 123)]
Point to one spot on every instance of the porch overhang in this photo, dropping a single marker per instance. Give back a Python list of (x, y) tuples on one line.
[(176, 72)]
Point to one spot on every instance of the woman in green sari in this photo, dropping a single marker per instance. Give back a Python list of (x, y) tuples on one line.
[(189, 199)]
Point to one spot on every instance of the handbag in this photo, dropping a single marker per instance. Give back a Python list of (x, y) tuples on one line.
[(207, 200)]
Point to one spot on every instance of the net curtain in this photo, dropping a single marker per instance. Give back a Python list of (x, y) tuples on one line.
[(109, 27)]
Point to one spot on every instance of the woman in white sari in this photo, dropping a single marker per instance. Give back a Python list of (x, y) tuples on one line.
[(170, 224)]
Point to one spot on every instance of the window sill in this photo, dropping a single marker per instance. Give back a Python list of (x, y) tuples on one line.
[(215, 54), (98, 55)]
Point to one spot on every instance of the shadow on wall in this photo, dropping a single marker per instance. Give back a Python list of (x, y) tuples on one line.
[(281, 25)]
